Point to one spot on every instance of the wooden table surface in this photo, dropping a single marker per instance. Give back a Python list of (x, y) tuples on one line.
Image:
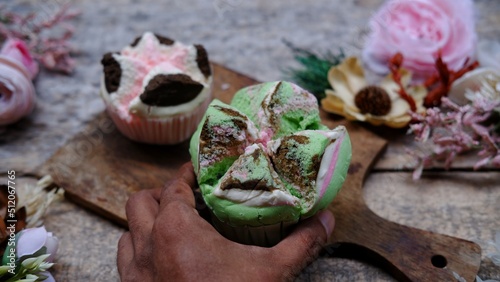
[(248, 38)]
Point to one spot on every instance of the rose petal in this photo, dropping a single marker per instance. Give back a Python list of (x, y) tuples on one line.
[(49, 276), (17, 92), (52, 245), (17, 50), (31, 240)]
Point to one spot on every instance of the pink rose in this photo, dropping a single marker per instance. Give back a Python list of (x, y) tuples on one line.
[(17, 50), (419, 29), (17, 93)]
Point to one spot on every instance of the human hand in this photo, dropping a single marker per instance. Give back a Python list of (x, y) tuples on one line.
[(168, 240)]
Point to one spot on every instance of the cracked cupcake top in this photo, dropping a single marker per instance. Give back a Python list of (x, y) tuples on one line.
[(267, 158), (156, 76)]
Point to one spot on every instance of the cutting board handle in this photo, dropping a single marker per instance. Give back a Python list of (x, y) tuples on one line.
[(407, 253)]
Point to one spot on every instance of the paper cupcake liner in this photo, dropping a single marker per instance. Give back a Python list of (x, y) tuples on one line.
[(264, 236), (164, 131)]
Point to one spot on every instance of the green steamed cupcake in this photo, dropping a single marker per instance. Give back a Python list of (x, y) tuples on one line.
[(265, 162)]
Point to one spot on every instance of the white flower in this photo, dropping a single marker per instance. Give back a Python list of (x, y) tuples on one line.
[(479, 82), (353, 98), (36, 242)]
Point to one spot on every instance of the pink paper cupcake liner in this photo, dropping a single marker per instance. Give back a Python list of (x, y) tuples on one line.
[(164, 131)]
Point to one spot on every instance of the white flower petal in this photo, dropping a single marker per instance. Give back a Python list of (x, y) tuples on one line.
[(49, 276), (52, 244), (399, 107), (354, 72), (340, 84), (31, 240)]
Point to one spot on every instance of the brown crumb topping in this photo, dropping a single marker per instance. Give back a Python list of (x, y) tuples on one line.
[(202, 60), (170, 90), (314, 168), (112, 72), (163, 40), (253, 184), (285, 165), (230, 112)]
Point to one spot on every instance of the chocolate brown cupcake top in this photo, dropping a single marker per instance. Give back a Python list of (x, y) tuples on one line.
[(112, 72), (166, 90)]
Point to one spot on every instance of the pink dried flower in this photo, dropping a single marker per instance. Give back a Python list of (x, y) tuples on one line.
[(444, 133), (52, 51)]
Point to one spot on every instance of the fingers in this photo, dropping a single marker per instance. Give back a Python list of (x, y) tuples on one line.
[(186, 173), (180, 189), (142, 209), (125, 253), (303, 245)]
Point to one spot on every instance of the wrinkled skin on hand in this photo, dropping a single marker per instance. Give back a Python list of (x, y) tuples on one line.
[(169, 240)]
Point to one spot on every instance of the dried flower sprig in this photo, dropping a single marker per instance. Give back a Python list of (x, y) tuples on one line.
[(37, 199), (395, 64), (451, 130), (439, 85), (51, 50)]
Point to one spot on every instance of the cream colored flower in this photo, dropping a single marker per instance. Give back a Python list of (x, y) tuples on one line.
[(380, 104), (479, 82)]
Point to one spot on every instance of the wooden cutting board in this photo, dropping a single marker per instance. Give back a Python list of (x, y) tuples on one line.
[(99, 169)]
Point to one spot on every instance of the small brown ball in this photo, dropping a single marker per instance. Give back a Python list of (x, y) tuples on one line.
[(373, 100)]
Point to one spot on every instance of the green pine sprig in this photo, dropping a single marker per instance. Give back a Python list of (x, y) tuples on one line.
[(312, 76)]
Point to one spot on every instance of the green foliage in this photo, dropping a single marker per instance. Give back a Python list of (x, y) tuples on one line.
[(312, 76), (27, 270)]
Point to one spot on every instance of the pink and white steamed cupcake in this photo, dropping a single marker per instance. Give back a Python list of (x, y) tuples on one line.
[(156, 90)]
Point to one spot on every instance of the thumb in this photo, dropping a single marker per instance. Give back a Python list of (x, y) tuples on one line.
[(303, 245)]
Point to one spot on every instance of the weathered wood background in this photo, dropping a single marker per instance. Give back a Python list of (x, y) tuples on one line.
[(246, 36)]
